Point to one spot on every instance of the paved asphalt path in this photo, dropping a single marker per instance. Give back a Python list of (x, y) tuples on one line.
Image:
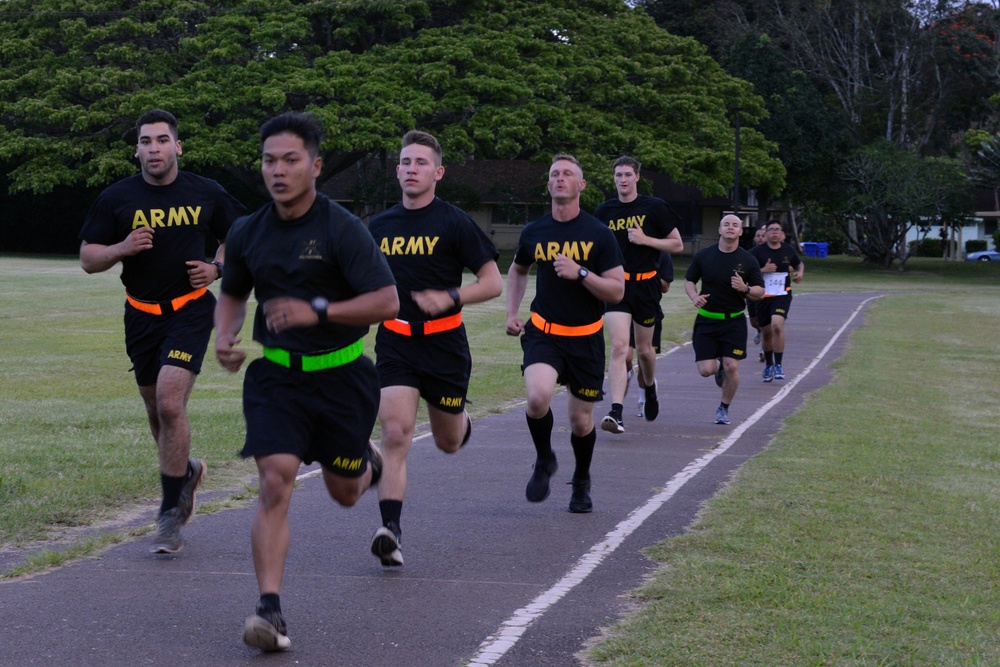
[(490, 579)]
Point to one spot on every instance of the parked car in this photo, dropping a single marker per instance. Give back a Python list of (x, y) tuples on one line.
[(983, 256)]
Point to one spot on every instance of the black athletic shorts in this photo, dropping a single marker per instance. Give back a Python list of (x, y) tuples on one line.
[(578, 360), (324, 416), (712, 339), (771, 306), (657, 332), (439, 365), (642, 300), (176, 339)]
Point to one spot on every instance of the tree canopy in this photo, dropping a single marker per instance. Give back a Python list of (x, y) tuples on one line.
[(492, 78)]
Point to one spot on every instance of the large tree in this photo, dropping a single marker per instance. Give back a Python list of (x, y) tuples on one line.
[(494, 78)]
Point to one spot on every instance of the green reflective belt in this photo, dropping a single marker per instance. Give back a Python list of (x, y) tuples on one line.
[(718, 316), (315, 362)]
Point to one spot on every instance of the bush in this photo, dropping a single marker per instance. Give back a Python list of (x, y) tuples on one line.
[(996, 239), (926, 247), (975, 245)]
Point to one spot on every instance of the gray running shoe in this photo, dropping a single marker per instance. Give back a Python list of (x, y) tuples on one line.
[(721, 415), (196, 474), (168, 532), (266, 630), (385, 545), (756, 338), (538, 486), (613, 423), (641, 405)]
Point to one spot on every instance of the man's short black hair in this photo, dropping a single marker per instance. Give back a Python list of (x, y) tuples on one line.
[(305, 126), (157, 116), (626, 161)]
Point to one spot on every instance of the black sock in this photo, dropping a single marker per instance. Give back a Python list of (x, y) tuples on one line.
[(541, 435), (270, 601), (777, 357), (583, 450), (724, 406), (171, 491), (616, 409), (391, 510), (768, 358)]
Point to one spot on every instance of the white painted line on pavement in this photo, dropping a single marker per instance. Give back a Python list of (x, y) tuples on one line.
[(495, 646)]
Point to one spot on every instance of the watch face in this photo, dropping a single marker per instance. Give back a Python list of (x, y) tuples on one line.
[(320, 303)]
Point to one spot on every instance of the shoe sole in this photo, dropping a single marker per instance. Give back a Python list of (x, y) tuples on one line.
[(385, 547), (259, 633), (165, 549), (581, 509), (194, 482), (611, 425)]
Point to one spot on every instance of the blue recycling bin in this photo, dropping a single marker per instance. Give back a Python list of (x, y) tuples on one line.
[(822, 249), (810, 249)]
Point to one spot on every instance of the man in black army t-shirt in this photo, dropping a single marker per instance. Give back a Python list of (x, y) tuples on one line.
[(777, 261), (320, 282), (158, 224), (424, 352), (729, 275), (644, 227), (579, 269)]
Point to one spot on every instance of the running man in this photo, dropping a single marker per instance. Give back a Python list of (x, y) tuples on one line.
[(320, 282), (781, 267), (665, 274), (158, 224), (579, 269), (644, 227), (729, 275), (424, 353)]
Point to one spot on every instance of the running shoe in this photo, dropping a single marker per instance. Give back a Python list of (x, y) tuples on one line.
[(613, 423), (386, 544), (266, 630), (641, 405), (756, 338), (195, 476), (579, 501), (538, 486), (374, 462), (628, 380), (652, 408), (721, 415), (761, 358), (768, 373), (168, 532), (720, 374), (779, 374)]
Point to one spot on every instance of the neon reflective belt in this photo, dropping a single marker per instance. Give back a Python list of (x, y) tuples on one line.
[(165, 307), (315, 362), (427, 328), (640, 276), (718, 316), (562, 330)]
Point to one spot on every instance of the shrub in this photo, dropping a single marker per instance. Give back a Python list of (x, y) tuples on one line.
[(926, 247), (975, 245)]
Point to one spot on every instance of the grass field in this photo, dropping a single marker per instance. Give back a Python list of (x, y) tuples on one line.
[(866, 534)]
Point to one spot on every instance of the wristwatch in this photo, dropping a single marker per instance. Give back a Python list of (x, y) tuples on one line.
[(582, 273), (320, 304), (218, 267), (455, 296)]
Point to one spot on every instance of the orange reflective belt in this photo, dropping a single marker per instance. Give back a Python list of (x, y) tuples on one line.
[(562, 330), (640, 276), (427, 328), (172, 306)]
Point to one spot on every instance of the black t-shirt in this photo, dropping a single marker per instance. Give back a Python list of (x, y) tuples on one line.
[(784, 257), (651, 214), (429, 248), (715, 269), (185, 216), (665, 271), (585, 240), (327, 252)]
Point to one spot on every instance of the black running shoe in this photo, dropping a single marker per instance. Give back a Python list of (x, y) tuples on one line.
[(386, 543), (538, 486), (579, 501), (652, 407), (196, 474), (720, 374), (266, 630), (168, 532), (468, 430)]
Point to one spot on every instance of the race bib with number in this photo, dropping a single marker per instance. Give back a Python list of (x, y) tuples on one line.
[(775, 284)]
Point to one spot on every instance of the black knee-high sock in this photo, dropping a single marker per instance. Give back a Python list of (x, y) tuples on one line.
[(583, 449), (541, 435)]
